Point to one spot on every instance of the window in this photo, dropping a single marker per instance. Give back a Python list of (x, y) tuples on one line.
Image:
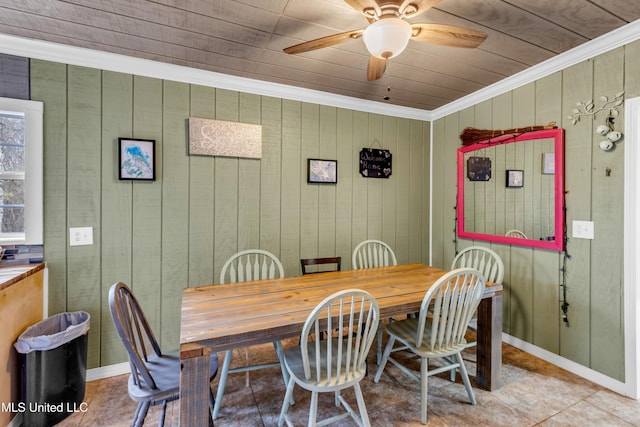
[(20, 171)]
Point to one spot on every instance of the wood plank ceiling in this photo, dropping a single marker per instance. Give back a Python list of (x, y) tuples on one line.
[(246, 37)]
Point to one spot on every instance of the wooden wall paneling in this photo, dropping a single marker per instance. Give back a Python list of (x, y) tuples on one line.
[(270, 174), (175, 207), (631, 75), (309, 203), (390, 185), (117, 121), (249, 179), (607, 194), (293, 181), (546, 273), (442, 220), (226, 191), (417, 196), (360, 194), (201, 197), (14, 77), (406, 131), (347, 175), (327, 193), (83, 197), (146, 260), (448, 185), (516, 107), (426, 191), (49, 85), (465, 118), (577, 85), (375, 185)]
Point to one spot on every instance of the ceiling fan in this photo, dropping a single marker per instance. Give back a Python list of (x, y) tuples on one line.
[(388, 33)]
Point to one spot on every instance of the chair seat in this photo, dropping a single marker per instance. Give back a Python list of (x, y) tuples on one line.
[(405, 332), (293, 360), (166, 374)]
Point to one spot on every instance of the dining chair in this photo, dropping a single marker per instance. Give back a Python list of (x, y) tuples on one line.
[(485, 260), (245, 266), (438, 332), (371, 254), (155, 375), (334, 364), (306, 262), (515, 233)]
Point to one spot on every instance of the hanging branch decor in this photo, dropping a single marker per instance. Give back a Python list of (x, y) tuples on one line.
[(471, 136), (585, 109)]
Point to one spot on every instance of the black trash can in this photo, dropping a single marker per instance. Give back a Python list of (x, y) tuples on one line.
[(53, 362)]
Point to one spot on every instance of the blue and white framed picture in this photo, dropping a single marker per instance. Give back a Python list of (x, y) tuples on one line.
[(321, 171), (136, 159)]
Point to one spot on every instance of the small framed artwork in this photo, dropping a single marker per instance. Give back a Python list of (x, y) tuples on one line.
[(548, 163), (136, 159), (515, 178), (321, 171), (479, 168)]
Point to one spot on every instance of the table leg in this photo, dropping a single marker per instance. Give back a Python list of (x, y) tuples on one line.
[(489, 343), (194, 392)]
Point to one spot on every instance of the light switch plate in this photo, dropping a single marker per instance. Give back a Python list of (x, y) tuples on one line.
[(80, 236), (583, 229)]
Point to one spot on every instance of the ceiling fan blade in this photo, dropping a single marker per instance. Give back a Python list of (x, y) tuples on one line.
[(376, 68), (447, 35), (323, 42), (407, 7)]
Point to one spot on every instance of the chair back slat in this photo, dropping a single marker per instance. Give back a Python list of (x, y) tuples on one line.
[(252, 264), (485, 260), (135, 333), (373, 253), (453, 300), (342, 356)]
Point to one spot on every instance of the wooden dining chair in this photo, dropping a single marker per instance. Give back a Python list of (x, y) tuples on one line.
[(336, 262), (332, 365), (245, 266), (155, 375), (489, 263), (370, 254), (438, 332), (515, 233)]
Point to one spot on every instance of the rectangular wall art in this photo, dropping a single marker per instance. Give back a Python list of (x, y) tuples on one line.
[(137, 159), (219, 138)]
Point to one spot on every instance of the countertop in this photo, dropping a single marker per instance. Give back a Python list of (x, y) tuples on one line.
[(12, 274)]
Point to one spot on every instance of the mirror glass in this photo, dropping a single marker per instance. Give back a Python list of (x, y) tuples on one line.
[(511, 190)]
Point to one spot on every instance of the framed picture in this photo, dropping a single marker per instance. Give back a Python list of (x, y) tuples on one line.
[(515, 178), (136, 159), (321, 171), (548, 163)]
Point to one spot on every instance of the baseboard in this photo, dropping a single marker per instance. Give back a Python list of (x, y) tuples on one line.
[(566, 364), (108, 371)]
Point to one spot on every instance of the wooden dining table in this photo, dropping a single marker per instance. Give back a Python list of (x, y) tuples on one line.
[(222, 317)]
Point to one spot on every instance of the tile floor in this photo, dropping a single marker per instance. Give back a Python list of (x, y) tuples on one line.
[(535, 393)]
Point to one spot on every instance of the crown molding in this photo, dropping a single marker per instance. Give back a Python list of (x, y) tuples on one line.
[(595, 47), (55, 52)]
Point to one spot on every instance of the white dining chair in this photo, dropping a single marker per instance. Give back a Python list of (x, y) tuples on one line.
[(439, 330), (485, 260), (515, 233), (245, 266), (332, 365), (370, 254)]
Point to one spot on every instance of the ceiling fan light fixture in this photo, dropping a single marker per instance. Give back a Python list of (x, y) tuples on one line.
[(387, 37)]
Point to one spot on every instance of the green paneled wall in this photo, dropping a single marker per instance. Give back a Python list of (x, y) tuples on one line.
[(594, 335), (162, 236)]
